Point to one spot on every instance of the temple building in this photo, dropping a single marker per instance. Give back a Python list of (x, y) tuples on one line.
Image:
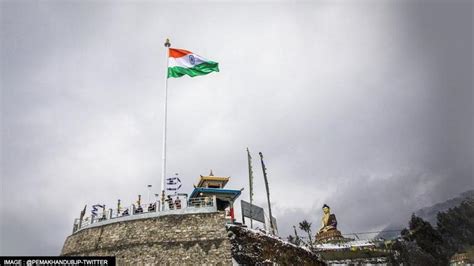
[(213, 187)]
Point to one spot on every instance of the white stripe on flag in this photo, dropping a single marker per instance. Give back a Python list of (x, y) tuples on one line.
[(185, 61)]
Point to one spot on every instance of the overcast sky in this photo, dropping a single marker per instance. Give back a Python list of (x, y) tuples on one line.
[(367, 107)]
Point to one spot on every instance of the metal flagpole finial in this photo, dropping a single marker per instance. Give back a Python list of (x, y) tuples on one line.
[(167, 43)]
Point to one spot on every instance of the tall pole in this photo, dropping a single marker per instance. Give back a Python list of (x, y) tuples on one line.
[(264, 169), (249, 158), (163, 173)]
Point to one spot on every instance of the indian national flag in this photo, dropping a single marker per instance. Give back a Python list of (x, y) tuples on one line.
[(182, 62)]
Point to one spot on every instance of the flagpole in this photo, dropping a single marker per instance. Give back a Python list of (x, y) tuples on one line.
[(163, 173)]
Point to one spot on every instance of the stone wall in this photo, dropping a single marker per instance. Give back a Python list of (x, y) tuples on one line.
[(172, 239)]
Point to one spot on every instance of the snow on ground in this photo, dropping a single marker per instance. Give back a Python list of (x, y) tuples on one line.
[(264, 233)]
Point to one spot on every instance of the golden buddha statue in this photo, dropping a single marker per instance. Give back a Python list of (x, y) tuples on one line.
[(328, 222), (328, 231)]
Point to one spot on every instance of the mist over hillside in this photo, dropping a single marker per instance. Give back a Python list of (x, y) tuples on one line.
[(428, 213)]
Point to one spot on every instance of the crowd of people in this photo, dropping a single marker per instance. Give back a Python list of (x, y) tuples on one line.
[(172, 205)]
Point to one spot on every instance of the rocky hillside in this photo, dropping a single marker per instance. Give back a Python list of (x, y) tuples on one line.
[(251, 247)]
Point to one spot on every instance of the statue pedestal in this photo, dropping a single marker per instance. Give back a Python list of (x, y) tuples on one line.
[(329, 236)]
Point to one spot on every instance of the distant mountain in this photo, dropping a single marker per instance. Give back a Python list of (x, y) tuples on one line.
[(428, 214)]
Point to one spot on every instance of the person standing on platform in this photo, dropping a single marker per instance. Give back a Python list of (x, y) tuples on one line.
[(177, 203), (170, 202)]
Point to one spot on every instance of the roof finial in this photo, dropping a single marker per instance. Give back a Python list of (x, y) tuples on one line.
[(211, 173)]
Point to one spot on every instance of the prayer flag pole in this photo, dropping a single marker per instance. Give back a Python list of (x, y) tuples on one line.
[(163, 173), (264, 169), (249, 158)]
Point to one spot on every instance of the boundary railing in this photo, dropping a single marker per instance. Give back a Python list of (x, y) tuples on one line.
[(154, 209)]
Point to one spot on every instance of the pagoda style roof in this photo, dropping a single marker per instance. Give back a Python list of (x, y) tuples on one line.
[(221, 194), (204, 180)]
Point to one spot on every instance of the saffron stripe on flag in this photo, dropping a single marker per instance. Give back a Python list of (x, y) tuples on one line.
[(178, 52)]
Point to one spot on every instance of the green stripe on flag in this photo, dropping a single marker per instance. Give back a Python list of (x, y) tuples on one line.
[(199, 70)]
